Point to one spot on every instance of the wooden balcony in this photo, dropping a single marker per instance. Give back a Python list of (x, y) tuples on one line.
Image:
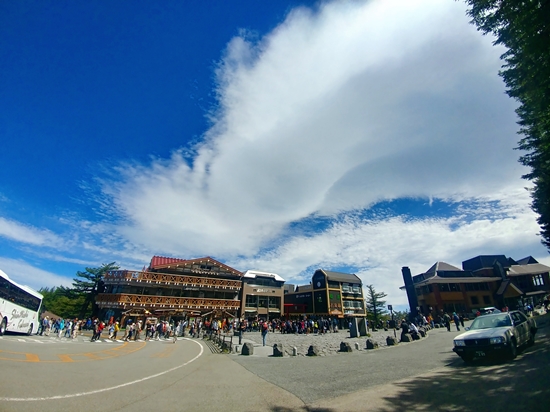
[(127, 301), (128, 276)]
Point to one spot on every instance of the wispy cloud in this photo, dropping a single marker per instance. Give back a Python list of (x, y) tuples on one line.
[(22, 233)]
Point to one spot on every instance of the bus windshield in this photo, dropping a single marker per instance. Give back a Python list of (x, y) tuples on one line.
[(19, 307)]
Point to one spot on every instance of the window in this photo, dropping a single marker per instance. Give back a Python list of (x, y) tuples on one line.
[(454, 287), (11, 292), (538, 280), (444, 287), (251, 301), (475, 300), (263, 301)]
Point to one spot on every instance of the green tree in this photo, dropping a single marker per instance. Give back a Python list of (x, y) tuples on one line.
[(88, 285), (523, 27), (376, 307), (60, 301)]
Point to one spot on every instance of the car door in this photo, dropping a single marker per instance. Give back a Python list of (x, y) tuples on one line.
[(522, 327)]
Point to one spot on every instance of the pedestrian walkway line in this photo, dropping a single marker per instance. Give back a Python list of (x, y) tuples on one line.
[(111, 388)]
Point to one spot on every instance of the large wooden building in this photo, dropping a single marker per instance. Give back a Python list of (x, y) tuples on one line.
[(173, 288), (483, 281)]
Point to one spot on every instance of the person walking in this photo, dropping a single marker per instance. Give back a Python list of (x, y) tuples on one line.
[(456, 319), (265, 329), (447, 320)]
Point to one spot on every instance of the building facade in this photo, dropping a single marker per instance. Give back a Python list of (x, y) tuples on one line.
[(174, 288), (330, 294), (262, 295), (483, 281)]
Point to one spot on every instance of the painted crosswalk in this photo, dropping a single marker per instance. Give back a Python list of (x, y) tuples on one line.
[(45, 340), (55, 340)]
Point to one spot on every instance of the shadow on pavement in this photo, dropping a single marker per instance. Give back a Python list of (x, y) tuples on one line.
[(519, 385)]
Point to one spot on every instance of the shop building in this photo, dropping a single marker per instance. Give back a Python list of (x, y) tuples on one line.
[(330, 294), (262, 295), (173, 288)]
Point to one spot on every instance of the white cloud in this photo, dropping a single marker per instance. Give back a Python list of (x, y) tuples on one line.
[(332, 112), (27, 274), (379, 248), (22, 233)]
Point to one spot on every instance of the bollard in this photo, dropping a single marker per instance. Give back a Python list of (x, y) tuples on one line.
[(294, 351), (357, 345)]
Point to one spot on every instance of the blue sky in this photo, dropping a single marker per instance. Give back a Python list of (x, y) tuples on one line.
[(278, 136)]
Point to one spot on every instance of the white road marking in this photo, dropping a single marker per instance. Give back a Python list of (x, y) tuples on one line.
[(75, 395)]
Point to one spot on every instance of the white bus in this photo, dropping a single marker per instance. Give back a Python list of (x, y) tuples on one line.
[(19, 307)]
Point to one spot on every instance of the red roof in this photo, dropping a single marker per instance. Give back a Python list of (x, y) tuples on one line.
[(161, 260)]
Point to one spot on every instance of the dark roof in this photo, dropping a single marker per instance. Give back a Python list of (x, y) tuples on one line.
[(442, 266), (341, 277), (485, 261), (527, 261)]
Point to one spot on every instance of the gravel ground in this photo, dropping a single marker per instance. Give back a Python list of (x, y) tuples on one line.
[(328, 344)]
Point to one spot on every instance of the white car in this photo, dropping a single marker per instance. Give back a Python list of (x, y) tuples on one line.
[(498, 334)]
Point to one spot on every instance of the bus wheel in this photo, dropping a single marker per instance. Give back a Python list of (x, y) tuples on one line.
[(3, 327), (29, 332)]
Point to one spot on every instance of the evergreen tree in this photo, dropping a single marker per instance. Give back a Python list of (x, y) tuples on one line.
[(376, 307), (523, 27), (88, 287)]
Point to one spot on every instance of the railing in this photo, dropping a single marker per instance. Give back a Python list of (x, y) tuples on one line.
[(223, 341), (123, 276), (121, 300)]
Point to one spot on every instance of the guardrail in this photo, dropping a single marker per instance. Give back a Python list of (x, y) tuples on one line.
[(223, 340)]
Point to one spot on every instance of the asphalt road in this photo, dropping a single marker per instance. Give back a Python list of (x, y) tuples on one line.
[(38, 374)]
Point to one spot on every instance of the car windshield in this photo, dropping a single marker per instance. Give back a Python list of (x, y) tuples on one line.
[(486, 322)]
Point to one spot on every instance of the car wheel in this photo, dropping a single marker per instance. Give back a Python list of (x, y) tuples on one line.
[(29, 332), (531, 340), (513, 350), (3, 327)]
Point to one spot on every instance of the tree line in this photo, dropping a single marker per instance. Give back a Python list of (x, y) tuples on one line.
[(78, 301)]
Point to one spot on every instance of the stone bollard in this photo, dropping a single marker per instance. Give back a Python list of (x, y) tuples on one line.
[(248, 349), (294, 351), (278, 350), (422, 332), (371, 344), (406, 337), (391, 341), (357, 345), (345, 347), (313, 351)]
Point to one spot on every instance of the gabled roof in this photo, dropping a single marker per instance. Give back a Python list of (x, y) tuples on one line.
[(341, 277), (505, 285), (161, 261), (165, 262), (442, 266), (486, 261), (527, 261)]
